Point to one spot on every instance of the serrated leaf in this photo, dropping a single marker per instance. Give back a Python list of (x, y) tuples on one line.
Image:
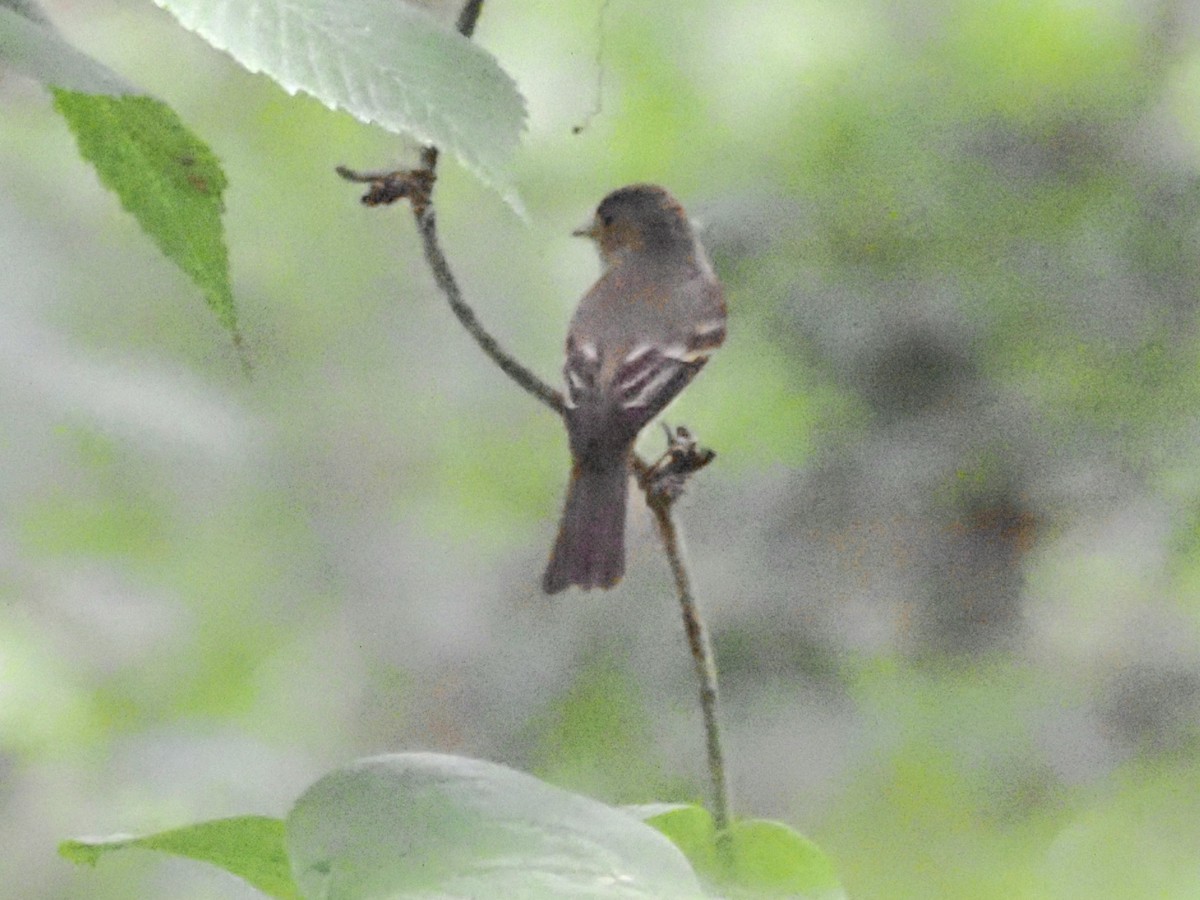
[(768, 859), (424, 825), (250, 847), (383, 61), (165, 176), (29, 44)]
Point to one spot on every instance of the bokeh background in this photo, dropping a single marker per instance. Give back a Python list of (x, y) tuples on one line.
[(949, 553)]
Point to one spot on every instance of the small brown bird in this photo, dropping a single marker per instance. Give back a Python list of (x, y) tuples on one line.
[(639, 336)]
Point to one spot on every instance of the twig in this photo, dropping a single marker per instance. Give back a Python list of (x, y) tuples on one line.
[(662, 483), (702, 656), (416, 185), (468, 16), (427, 224)]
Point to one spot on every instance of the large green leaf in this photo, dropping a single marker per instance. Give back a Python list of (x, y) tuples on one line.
[(425, 825), (250, 847), (165, 176), (30, 45), (383, 61), (762, 858)]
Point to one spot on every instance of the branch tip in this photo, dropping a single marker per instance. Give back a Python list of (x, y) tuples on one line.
[(663, 480), (414, 185)]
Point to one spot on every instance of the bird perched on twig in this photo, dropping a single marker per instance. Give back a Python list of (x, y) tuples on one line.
[(638, 337)]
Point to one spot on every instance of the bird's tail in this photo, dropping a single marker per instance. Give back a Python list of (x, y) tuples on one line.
[(590, 549)]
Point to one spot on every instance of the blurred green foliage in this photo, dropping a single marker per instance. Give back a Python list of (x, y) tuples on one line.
[(948, 547)]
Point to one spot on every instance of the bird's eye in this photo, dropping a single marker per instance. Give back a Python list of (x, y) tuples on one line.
[(606, 219)]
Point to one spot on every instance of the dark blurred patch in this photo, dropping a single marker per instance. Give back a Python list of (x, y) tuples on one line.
[(1019, 788), (975, 579), (1062, 152), (753, 654), (8, 782), (826, 500), (1153, 705), (1163, 242), (913, 370)]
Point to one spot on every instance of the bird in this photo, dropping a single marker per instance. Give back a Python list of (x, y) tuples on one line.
[(639, 336)]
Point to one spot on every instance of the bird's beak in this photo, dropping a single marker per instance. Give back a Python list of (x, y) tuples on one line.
[(586, 231)]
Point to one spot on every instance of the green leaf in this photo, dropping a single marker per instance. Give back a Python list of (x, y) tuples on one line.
[(423, 824), (769, 859), (250, 847), (29, 44), (383, 61), (165, 176)]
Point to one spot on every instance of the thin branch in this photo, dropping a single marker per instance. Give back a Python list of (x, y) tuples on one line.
[(416, 186), (702, 656), (662, 482), (468, 16), (427, 224)]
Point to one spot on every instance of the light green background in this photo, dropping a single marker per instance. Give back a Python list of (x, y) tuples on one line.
[(948, 550)]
